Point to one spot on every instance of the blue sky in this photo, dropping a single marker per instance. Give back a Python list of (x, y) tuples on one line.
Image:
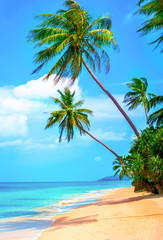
[(27, 152)]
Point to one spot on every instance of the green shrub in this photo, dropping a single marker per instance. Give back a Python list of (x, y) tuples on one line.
[(145, 161)]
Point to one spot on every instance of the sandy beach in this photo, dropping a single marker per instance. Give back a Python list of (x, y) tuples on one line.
[(119, 214)]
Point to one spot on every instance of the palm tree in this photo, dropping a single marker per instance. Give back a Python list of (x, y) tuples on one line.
[(156, 117), (154, 10), (73, 34), (70, 117), (138, 95), (120, 169)]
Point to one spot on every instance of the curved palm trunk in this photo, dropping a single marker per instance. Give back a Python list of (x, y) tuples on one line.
[(147, 116), (112, 98), (105, 146)]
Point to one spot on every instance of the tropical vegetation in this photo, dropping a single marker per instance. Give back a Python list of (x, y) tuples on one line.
[(70, 118), (138, 95), (153, 9), (145, 161), (156, 117), (120, 168), (74, 39)]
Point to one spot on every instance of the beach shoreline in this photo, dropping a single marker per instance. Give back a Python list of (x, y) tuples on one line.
[(31, 227), (119, 214), (81, 200)]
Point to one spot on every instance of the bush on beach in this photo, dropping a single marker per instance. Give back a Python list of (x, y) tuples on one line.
[(145, 161)]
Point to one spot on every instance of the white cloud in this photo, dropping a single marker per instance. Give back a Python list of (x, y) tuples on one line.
[(41, 146), (29, 101), (5, 91), (28, 144), (13, 125), (17, 104), (108, 136), (129, 17), (98, 159), (11, 143), (40, 89), (12, 105), (105, 109), (101, 135)]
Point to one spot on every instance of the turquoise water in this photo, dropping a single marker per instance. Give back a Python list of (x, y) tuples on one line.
[(30, 205)]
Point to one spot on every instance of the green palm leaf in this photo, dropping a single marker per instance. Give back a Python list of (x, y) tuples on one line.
[(73, 36), (155, 100), (76, 39), (120, 169), (78, 104), (156, 117), (138, 95), (153, 9), (69, 117)]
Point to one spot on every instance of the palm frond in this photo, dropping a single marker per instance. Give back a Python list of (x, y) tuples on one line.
[(72, 35), (140, 2), (157, 117), (59, 37), (50, 20), (84, 110), (103, 22), (89, 59), (77, 104), (155, 100), (138, 95), (48, 33), (55, 117), (71, 4), (92, 50), (104, 56), (67, 97), (61, 104), (60, 66), (153, 9)]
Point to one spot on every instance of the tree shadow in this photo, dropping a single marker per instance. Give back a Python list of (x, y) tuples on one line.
[(109, 201), (65, 221)]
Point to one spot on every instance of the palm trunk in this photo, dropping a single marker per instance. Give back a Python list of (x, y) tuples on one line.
[(105, 146), (112, 98), (147, 116)]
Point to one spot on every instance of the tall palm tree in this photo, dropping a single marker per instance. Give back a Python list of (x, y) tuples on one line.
[(70, 117), (156, 117), (138, 95), (73, 34), (154, 10)]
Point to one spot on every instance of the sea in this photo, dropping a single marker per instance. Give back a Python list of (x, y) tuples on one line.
[(27, 208)]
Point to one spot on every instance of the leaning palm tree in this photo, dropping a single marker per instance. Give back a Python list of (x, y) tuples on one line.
[(70, 118), (74, 40), (156, 117), (138, 95), (154, 10)]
